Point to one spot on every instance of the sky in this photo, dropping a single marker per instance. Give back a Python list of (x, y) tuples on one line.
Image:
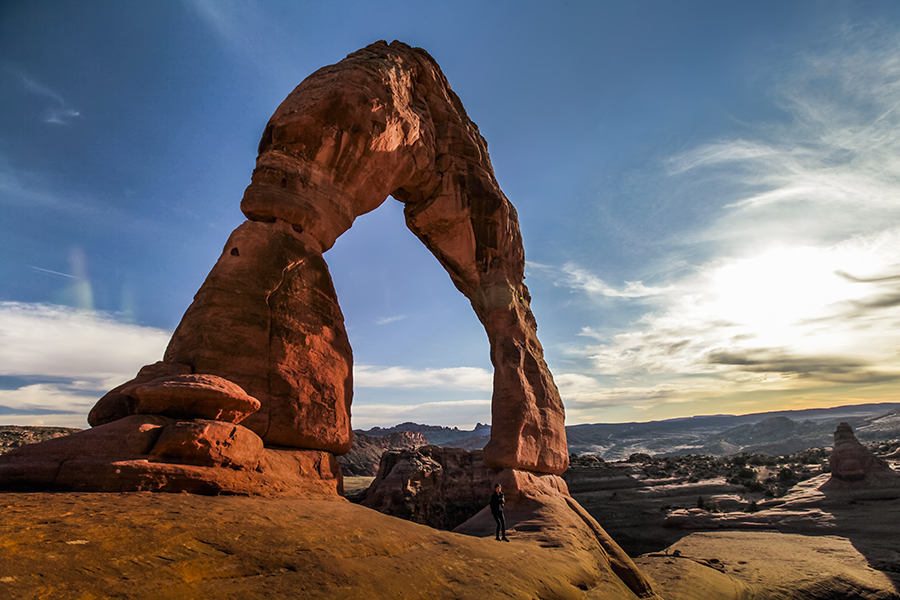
[(708, 192)]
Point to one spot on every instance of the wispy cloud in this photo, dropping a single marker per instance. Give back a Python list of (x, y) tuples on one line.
[(37, 189), (833, 170), (572, 276), (389, 320), (55, 405), (250, 31), (57, 110), (801, 285), (463, 378)]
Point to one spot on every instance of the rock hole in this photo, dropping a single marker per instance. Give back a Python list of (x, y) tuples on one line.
[(235, 251), (284, 182)]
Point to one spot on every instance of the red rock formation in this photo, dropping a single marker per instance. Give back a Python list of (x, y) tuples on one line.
[(451, 488), (265, 330), (384, 122), (194, 396), (853, 467), (539, 508), (381, 122), (160, 454)]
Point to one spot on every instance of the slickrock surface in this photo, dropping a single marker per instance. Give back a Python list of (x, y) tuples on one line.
[(163, 546), (767, 566)]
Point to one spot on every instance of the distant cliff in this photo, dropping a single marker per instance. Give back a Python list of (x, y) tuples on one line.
[(436, 434)]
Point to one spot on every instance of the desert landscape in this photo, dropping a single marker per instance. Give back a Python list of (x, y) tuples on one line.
[(232, 468), (743, 526)]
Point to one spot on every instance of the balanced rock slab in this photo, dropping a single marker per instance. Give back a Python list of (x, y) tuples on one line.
[(159, 454), (195, 396)]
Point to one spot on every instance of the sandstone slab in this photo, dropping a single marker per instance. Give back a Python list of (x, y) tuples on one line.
[(195, 396), (539, 509), (152, 546), (155, 453), (208, 444), (119, 401)]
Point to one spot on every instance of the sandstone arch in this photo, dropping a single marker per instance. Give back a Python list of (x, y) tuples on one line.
[(253, 394), (382, 122)]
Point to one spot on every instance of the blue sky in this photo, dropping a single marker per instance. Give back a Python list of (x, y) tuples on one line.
[(709, 194)]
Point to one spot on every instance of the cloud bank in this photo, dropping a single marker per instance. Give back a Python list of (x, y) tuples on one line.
[(461, 378), (55, 361)]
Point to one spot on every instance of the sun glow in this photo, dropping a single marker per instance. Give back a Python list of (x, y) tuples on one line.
[(777, 298)]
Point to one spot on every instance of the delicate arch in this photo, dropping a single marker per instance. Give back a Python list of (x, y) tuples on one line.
[(381, 122)]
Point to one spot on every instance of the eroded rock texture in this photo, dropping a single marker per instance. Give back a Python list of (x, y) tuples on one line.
[(365, 456), (382, 122)]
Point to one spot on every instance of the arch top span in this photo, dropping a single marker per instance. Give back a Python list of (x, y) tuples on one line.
[(382, 122)]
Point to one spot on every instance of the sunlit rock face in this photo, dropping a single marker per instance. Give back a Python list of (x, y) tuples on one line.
[(854, 467)]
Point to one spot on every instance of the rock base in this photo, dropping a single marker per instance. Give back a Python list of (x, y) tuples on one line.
[(162, 454), (539, 509)]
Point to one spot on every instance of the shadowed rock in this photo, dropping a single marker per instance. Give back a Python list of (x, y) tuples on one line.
[(365, 455), (159, 454), (439, 487), (854, 468)]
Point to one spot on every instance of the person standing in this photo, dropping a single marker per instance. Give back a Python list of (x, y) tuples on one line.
[(497, 504)]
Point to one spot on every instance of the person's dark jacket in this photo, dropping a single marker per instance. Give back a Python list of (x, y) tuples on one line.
[(497, 503)]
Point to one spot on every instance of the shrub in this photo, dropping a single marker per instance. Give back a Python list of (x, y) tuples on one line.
[(786, 474)]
